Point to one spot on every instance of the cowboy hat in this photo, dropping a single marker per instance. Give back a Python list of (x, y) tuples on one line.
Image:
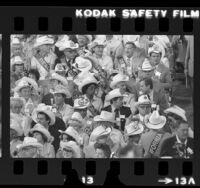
[(71, 132), (176, 110), (134, 128), (130, 38), (71, 145), (89, 37), (100, 131), (88, 80), (143, 99), (81, 103), (82, 64), (155, 49), (68, 44), (17, 60), (98, 42), (59, 68), (29, 141), (156, 121), (15, 42), (43, 40), (48, 111), (63, 90), (56, 76), (62, 40), (76, 119), (31, 81), (105, 116), (21, 84), (146, 65), (118, 78), (113, 94), (15, 126), (40, 128)]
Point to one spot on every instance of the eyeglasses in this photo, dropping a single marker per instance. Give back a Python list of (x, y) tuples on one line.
[(67, 150), (147, 71), (144, 106)]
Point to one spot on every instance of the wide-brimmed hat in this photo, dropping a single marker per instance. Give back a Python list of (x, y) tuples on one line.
[(17, 60), (21, 84), (59, 68), (29, 141), (113, 94), (31, 81), (88, 80), (176, 110), (71, 132), (48, 111), (156, 121), (40, 128), (99, 131), (68, 44), (71, 145), (15, 42), (134, 128), (81, 103), (89, 37), (61, 41), (75, 119), (118, 78), (62, 90), (155, 49), (98, 42), (143, 99), (130, 38), (43, 40), (105, 116), (15, 126), (55, 76), (146, 65), (82, 64)]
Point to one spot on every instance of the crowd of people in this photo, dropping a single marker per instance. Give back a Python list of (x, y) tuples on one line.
[(99, 96)]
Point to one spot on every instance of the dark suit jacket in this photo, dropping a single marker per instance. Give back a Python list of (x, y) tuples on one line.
[(126, 111), (168, 150)]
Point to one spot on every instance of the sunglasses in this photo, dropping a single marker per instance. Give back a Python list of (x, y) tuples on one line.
[(67, 150)]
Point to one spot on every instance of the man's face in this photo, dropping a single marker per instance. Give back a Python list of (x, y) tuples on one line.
[(147, 74), (41, 118), (32, 76), (98, 50), (182, 131), (122, 86), (118, 102), (82, 41), (129, 50), (91, 90), (59, 99), (54, 83), (19, 68), (38, 136), (25, 92), (144, 109), (100, 153), (144, 88), (28, 152), (155, 58), (45, 48), (70, 53)]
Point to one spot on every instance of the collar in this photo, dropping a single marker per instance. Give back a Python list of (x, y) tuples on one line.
[(178, 140)]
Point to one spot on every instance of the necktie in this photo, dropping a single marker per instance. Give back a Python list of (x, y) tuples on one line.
[(116, 113)]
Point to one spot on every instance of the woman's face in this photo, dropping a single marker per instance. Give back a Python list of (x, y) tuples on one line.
[(54, 83), (100, 153), (25, 92), (91, 90), (98, 50), (67, 153), (38, 136)]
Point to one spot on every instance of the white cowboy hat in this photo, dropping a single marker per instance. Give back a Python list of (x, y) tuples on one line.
[(61, 41), (88, 80), (97, 42), (31, 81), (59, 68), (134, 128), (176, 110), (15, 42), (146, 65), (105, 116), (89, 37), (143, 99), (40, 128), (113, 94), (81, 103), (56, 76), (82, 64), (99, 131), (76, 118), (63, 90), (68, 44), (72, 146), (48, 111), (17, 60), (15, 126), (155, 49), (21, 84), (130, 38), (118, 78), (43, 40), (71, 132), (29, 141), (156, 121)]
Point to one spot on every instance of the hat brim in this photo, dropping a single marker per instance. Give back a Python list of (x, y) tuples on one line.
[(139, 131), (50, 115), (43, 43), (62, 48), (114, 83), (159, 126), (98, 118), (45, 133), (112, 97), (176, 113), (21, 146), (86, 83)]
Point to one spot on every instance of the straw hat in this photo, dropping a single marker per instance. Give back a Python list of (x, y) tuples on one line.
[(29, 141), (43, 40), (99, 131), (63, 90), (82, 64), (176, 110), (113, 94), (143, 99), (56, 76), (88, 80), (40, 128), (48, 111), (118, 78), (71, 132), (81, 103), (71, 145), (68, 44), (156, 121), (105, 116), (134, 128)]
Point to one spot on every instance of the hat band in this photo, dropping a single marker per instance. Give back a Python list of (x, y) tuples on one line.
[(156, 123)]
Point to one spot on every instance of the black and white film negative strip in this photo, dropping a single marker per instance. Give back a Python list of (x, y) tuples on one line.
[(99, 95)]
